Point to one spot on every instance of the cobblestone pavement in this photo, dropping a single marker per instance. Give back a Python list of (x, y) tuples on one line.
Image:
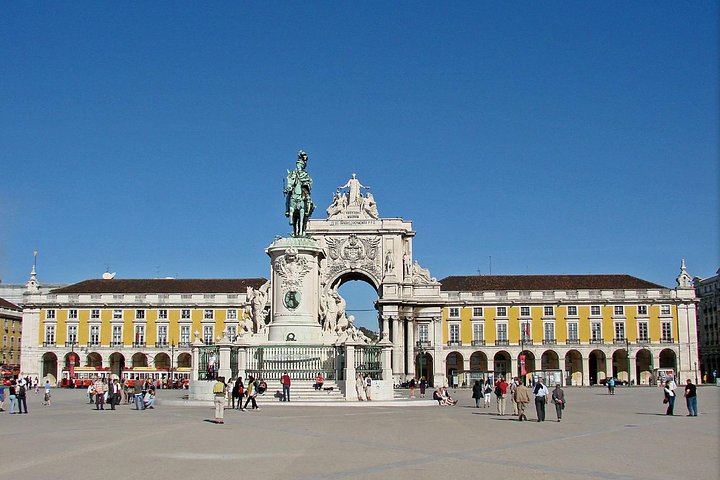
[(625, 436)]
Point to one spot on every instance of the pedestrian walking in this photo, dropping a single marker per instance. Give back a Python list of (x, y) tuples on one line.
[(2, 396), (477, 393), (219, 399), (522, 398), (46, 397), (541, 397), (691, 398), (368, 387), (500, 392), (669, 399), (423, 386), (238, 391), (114, 393), (511, 393), (412, 385), (558, 398), (251, 394), (285, 380)]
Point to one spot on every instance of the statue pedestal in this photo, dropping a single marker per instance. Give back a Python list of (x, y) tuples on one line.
[(295, 290)]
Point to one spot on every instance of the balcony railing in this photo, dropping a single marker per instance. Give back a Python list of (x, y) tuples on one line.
[(138, 344), (93, 344), (667, 340), (183, 344), (161, 344), (49, 344), (478, 343), (423, 344), (642, 341), (550, 341), (117, 344), (502, 342), (597, 341), (573, 341), (456, 343), (618, 341), (527, 341)]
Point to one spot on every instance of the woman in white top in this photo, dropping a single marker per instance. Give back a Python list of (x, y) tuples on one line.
[(669, 397)]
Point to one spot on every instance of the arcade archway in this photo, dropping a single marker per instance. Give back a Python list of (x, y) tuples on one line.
[(454, 368), (139, 360), (94, 360), (117, 363), (501, 364), (50, 367), (162, 361), (643, 366), (597, 365), (668, 359), (425, 367), (573, 368), (184, 360)]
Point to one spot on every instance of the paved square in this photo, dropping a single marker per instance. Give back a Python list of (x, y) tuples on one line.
[(626, 436)]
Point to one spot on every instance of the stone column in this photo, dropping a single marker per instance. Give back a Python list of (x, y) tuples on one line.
[(410, 354), (385, 333), (632, 373), (586, 371), (196, 357), (397, 366), (242, 345), (224, 345), (513, 367), (350, 393)]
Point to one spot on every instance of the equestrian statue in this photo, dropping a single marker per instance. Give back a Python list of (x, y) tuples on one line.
[(298, 204)]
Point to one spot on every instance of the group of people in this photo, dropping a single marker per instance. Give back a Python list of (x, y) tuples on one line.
[(422, 385), (103, 392), (239, 393), (519, 396), (690, 395), (363, 387)]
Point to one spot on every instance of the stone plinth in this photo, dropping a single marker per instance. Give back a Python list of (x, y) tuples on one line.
[(295, 290)]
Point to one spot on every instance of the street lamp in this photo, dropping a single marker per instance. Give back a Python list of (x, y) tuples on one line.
[(627, 355), (172, 361)]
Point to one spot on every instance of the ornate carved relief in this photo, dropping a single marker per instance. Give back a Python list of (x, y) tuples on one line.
[(353, 252), (292, 268)]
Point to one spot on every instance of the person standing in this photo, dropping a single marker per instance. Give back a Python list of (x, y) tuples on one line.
[(486, 393), (501, 389), (99, 388), (235, 395), (359, 387), (114, 394), (558, 398), (522, 398), (691, 398), (219, 399), (541, 397), (669, 392), (477, 393), (368, 387), (2, 396), (423, 386), (12, 394), (22, 398), (412, 386), (138, 395), (286, 386)]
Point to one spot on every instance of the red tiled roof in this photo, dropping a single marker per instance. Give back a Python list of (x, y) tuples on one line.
[(545, 282), (9, 305), (163, 285)]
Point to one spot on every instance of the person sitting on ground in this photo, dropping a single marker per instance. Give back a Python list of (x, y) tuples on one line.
[(319, 381), (149, 399)]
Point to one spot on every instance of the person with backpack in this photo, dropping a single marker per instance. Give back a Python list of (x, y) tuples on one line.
[(219, 400), (21, 398), (500, 392), (251, 394), (477, 393)]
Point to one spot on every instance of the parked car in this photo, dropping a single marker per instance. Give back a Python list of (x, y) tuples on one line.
[(617, 381)]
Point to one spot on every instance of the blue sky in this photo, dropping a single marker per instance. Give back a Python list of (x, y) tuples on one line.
[(563, 138)]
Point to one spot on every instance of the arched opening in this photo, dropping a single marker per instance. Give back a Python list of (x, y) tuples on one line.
[(549, 360), (117, 363), (139, 360), (184, 360), (72, 359), (424, 362), (94, 360), (361, 298), (596, 361), (49, 367), (573, 368), (162, 361), (620, 365), (478, 363), (526, 362), (668, 359), (501, 364), (643, 366), (453, 367)]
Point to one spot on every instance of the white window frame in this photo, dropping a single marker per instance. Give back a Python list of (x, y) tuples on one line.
[(640, 336), (185, 334), (232, 314), (523, 313), (477, 312), (504, 329), (50, 314), (424, 332), (49, 334), (576, 337), (501, 312), (117, 314), (72, 314), (618, 310), (545, 326), (162, 314), (665, 310), (525, 328), (208, 314), (95, 314), (72, 333), (453, 312), (619, 326), (139, 334), (454, 332), (475, 327), (94, 328), (140, 314), (162, 334), (593, 313), (642, 314), (117, 335), (663, 324), (231, 331), (548, 308), (185, 314), (209, 333), (594, 337), (572, 314)]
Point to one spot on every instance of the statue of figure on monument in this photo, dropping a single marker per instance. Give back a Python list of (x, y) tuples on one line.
[(421, 275), (354, 196), (389, 262), (257, 301), (298, 203), (370, 207), (407, 266)]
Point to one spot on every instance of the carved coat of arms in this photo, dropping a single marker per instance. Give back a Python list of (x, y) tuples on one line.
[(353, 252)]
